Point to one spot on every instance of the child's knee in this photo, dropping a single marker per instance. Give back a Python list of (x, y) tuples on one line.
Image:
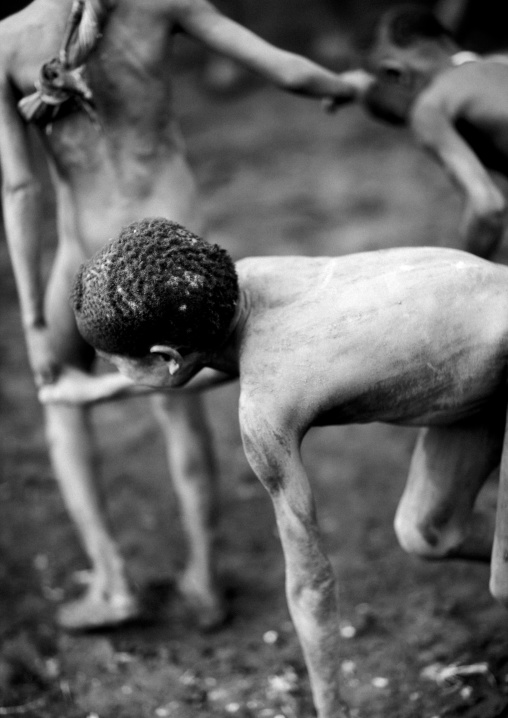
[(425, 538)]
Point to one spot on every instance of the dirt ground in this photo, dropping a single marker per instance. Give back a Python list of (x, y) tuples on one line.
[(277, 176)]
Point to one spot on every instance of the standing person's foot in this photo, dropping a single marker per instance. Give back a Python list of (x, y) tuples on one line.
[(98, 609), (208, 606)]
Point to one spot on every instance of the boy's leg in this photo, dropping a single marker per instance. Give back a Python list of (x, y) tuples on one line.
[(108, 599), (499, 564), (450, 464), (192, 467)]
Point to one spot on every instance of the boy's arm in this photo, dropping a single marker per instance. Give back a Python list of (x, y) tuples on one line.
[(78, 387), (272, 448), (483, 218), (291, 72), (22, 213)]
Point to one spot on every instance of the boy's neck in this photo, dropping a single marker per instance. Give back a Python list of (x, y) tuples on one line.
[(227, 357)]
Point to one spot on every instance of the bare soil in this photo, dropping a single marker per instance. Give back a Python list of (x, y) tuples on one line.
[(277, 177)]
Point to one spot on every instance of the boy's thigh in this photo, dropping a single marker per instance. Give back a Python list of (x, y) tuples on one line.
[(449, 466)]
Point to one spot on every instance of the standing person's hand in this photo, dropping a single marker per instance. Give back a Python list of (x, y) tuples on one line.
[(358, 81)]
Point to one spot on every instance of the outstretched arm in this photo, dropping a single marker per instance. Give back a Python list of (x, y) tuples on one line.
[(291, 72), (483, 219), (22, 213), (78, 387)]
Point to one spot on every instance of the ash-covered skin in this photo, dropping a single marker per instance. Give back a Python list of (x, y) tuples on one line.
[(415, 336)]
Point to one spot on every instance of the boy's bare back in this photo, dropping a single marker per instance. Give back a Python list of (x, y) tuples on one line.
[(402, 311)]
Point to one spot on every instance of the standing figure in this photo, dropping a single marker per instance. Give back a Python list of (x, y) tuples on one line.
[(104, 108)]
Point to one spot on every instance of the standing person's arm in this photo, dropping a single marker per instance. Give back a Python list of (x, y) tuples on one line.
[(22, 219), (287, 70)]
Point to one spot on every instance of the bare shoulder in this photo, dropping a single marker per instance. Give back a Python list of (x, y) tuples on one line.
[(10, 34), (466, 89), (27, 39), (286, 267), (445, 94), (265, 422)]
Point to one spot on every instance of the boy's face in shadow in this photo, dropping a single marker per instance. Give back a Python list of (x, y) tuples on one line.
[(163, 366), (400, 75)]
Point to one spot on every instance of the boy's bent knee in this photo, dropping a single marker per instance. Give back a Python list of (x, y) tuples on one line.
[(425, 539)]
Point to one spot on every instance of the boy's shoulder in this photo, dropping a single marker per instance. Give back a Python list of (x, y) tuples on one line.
[(276, 280), (454, 88)]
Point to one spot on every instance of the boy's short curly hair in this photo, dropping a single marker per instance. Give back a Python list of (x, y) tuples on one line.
[(156, 283), (409, 24)]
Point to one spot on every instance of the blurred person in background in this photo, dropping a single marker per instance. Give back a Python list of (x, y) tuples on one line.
[(455, 104)]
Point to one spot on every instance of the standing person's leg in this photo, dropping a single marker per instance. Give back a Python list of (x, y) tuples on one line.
[(192, 467), (188, 441), (108, 599)]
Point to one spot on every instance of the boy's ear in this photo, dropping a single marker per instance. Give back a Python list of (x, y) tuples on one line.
[(171, 356)]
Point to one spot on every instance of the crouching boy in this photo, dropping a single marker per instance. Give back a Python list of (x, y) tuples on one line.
[(414, 336), (454, 104)]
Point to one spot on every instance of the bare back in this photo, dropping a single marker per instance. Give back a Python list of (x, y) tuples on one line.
[(133, 164), (343, 335)]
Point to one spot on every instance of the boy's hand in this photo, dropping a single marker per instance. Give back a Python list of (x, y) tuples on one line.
[(45, 366), (78, 387), (71, 387)]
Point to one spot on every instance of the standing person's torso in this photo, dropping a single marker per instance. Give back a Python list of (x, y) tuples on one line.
[(133, 164)]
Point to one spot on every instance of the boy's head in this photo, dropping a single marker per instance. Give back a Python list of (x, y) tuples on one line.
[(410, 48), (156, 284)]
